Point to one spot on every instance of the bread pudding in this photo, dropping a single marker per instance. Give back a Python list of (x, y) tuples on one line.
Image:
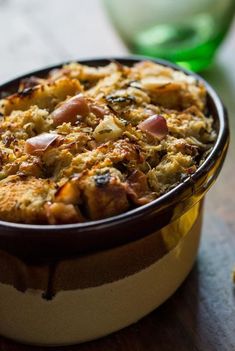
[(86, 143)]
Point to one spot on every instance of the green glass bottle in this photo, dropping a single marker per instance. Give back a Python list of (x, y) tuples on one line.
[(187, 32)]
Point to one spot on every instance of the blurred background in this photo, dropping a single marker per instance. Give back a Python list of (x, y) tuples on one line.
[(196, 33), (187, 32), (37, 33)]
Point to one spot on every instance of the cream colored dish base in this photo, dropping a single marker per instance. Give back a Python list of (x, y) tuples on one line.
[(85, 314)]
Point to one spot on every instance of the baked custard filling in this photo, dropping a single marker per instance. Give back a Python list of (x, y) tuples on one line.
[(86, 143)]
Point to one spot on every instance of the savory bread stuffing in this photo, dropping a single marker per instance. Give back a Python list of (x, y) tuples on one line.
[(85, 143)]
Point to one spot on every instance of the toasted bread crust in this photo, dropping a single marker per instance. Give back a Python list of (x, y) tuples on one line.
[(99, 162), (23, 200)]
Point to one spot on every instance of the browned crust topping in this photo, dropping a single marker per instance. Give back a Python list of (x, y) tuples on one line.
[(87, 143)]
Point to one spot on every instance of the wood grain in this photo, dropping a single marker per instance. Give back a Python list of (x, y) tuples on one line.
[(201, 314)]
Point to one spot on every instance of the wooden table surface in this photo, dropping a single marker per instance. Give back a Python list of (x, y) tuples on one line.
[(201, 314)]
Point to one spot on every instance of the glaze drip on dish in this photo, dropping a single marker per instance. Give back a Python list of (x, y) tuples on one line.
[(86, 143)]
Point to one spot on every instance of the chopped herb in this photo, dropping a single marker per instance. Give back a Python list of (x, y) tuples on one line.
[(102, 179), (120, 99), (25, 92), (103, 131)]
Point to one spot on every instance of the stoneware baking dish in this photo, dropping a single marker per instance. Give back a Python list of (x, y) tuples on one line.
[(66, 284)]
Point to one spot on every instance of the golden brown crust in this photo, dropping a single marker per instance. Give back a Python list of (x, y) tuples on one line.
[(23, 200), (45, 95), (98, 134)]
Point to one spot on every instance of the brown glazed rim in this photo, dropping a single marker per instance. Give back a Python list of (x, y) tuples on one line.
[(32, 241)]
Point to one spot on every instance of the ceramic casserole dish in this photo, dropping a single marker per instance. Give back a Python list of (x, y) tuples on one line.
[(63, 284)]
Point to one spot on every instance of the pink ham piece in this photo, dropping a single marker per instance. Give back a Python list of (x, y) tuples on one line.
[(39, 143), (155, 125), (69, 110), (98, 111)]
